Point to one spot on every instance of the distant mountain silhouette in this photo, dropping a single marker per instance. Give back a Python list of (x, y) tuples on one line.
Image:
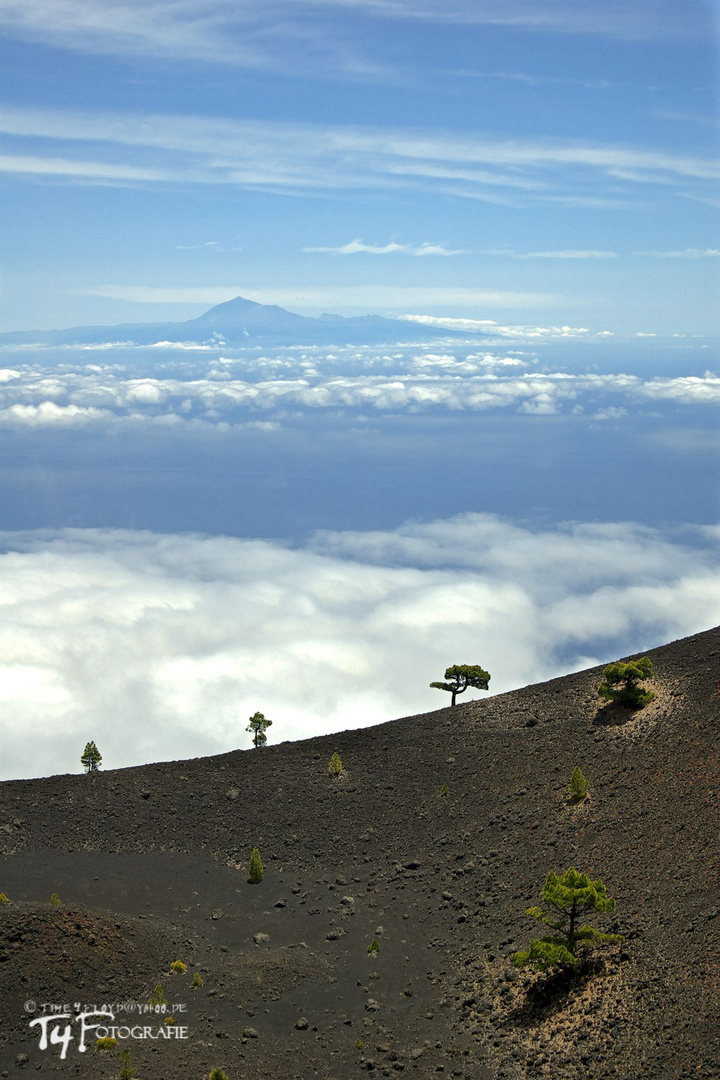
[(243, 322)]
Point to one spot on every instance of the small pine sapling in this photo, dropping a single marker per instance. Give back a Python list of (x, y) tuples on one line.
[(197, 980), (55, 899), (445, 790), (218, 1074), (569, 896), (91, 758), (157, 999), (374, 946), (578, 787), (460, 677), (336, 768), (3, 898), (358, 1044), (126, 1066), (178, 968), (621, 683), (257, 727), (256, 867)]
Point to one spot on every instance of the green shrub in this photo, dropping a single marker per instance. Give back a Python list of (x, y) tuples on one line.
[(3, 898), (374, 946), (197, 980), (105, 1043), (335, 768), (359, 1044), (178, 968), (55, 899), (256, 867), (218, 1074), (621, 683), (578, 787), (568, 896), (444, 790)]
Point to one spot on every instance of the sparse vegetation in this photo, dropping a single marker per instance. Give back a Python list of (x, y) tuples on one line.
[(374, 946), (55, 899), (106, 1043), (157, 998), (91, 757), (126, 1067), (197, 980), (3, 898), (460, 677), (335, 768), (256, 867), (218, 1074), (178, 968), (445, 790), (358, 1044), (621, 683), (569, 896), (258, 726), (578, 787)]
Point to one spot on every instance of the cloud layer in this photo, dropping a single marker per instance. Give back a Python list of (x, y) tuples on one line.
[(219, 391), (161, 646)]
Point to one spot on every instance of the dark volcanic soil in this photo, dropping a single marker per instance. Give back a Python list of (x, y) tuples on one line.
[(151, 866)]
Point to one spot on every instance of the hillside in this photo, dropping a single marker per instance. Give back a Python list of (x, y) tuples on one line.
[(151, 866)]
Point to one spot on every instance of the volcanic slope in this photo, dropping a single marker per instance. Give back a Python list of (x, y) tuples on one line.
[(432, 843)]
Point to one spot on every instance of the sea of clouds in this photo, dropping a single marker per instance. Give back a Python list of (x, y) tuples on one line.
[(200, 387), (161, 646)]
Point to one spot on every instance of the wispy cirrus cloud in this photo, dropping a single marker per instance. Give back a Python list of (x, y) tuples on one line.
[(358, 297), (359, 247), (580, 253), (85, 170), (685, 253), (314, 158), (275, 36)]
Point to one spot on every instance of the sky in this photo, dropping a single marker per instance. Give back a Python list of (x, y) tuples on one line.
[(478, 158), (193, 532)]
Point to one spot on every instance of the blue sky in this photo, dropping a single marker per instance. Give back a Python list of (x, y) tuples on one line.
[(192, 532), (475, 159)]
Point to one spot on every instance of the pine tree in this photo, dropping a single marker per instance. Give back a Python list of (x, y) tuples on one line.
[(256, 867), (91, 757), (621, 683), (569, 896), (258, 726), (462, 676)]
